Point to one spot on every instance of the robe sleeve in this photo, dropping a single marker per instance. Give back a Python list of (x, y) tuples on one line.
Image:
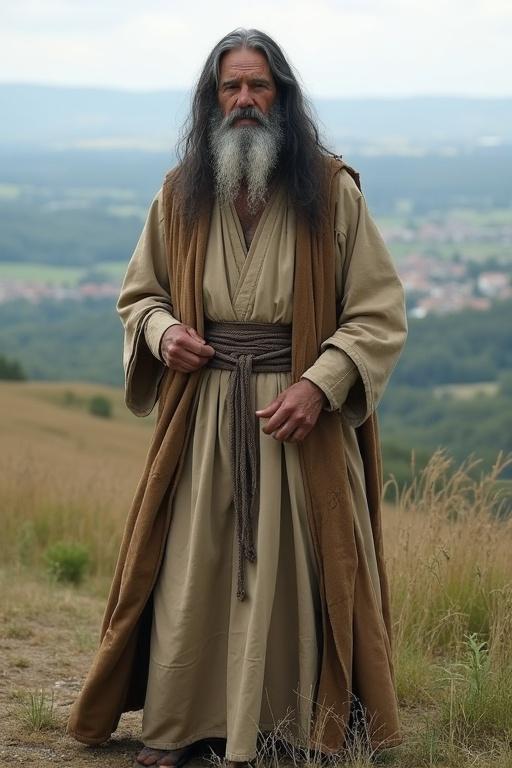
[(154, 328), (145, 309), (358, 359)]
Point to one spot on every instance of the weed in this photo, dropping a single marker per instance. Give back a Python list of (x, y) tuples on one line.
[(18, 632), (479, 704), (21, 663), (67, 562), (37, 712)]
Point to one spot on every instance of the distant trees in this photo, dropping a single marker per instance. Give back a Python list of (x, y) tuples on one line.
[(11, 370), (74, 341), (74, 238), (68, 340), (461, 348)]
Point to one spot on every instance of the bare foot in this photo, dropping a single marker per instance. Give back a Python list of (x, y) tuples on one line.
[(237, 764), (165, 757)]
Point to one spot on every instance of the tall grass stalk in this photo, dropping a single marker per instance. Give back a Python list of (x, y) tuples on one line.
[(448, 555), (450, 573), (37, 712)]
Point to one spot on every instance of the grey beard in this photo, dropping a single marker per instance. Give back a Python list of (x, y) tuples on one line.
[(247, 153)]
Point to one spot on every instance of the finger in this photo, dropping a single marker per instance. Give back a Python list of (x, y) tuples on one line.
[(192, 332), (299, 435), (285, 432), (277, 421), (200, 348), (172, 347), (268, 410), (280, 436), (181, 357), (208, 350)]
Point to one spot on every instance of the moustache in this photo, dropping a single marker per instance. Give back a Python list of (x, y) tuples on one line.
[(246, 113)]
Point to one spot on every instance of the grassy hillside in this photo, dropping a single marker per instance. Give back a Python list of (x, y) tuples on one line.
[(65, 472), (68, 476)]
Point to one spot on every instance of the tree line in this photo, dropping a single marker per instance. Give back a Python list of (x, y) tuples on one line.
[(83, 341)]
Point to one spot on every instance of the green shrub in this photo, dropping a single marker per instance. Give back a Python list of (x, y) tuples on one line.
[(67, 562), (11, 370), (100, 406)]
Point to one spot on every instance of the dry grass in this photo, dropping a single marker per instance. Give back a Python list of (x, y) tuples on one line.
[(43, 658), (37, 711), (450, 574), (68, 476), (448, 553)]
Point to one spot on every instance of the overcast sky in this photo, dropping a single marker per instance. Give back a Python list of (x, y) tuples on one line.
[(340, 47)]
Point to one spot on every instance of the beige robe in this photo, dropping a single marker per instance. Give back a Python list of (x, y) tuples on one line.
[(219, 667)]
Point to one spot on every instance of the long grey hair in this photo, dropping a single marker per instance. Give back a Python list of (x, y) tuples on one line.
[(300, 162)]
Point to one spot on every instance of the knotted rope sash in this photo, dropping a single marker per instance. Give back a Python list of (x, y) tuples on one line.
[(243, 349)]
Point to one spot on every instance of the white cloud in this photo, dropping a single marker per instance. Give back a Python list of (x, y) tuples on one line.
[(340, 47)]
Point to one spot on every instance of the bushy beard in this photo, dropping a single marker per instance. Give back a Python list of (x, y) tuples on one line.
[(245, 154)]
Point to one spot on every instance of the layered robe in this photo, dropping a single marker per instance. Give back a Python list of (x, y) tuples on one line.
[(220, 667), (315, 625)]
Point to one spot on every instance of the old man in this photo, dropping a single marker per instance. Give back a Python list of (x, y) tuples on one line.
[(263, 312)]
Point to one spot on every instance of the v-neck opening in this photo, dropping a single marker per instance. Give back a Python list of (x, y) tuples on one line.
[(239, 280), (248, 264), (249, 250)]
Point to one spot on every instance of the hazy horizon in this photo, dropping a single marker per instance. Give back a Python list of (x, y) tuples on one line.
[(314, 96), (340, 48)]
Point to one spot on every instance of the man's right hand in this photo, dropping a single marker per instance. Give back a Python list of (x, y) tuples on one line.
[(183, 349)]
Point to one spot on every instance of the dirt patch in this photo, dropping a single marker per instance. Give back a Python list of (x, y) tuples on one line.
[(48, 635)]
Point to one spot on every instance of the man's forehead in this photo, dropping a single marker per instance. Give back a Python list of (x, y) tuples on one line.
[(244, 61)]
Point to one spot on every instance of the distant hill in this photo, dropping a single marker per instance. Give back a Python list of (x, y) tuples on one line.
[(47, 116)]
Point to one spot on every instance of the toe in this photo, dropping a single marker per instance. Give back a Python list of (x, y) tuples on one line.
[(172, 757), (149, 756)]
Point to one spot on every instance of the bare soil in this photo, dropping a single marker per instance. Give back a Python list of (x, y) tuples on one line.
[(48, 635)]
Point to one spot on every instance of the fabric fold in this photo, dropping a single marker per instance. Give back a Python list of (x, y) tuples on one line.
[(354, 623)]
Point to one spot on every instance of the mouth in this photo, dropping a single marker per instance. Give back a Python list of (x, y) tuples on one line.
[(246, 121)]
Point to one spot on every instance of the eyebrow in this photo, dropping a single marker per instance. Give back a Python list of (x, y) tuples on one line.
[(252, 80)]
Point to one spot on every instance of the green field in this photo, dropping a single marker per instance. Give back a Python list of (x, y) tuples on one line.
[(57, 275)]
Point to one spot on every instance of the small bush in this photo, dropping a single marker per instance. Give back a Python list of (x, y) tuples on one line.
[(100, 406), (69, 398), (67, 562), (11, 370)]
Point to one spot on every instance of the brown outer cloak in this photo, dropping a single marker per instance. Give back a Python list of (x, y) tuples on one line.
[(356, 656)]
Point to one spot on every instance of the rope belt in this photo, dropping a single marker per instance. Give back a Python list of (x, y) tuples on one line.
[(245, 348)]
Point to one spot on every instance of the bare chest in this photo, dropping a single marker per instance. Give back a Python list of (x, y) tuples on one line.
[(248, 220)]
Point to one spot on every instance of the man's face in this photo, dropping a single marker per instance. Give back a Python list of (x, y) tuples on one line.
[(245, 80)]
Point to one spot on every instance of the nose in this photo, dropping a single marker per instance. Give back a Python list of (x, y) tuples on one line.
[(244, 98)]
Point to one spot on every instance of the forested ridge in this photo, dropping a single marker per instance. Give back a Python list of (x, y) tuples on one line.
[(83, 341), (465, 347)]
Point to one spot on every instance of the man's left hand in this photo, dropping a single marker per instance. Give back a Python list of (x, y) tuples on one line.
[(294, 412)]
